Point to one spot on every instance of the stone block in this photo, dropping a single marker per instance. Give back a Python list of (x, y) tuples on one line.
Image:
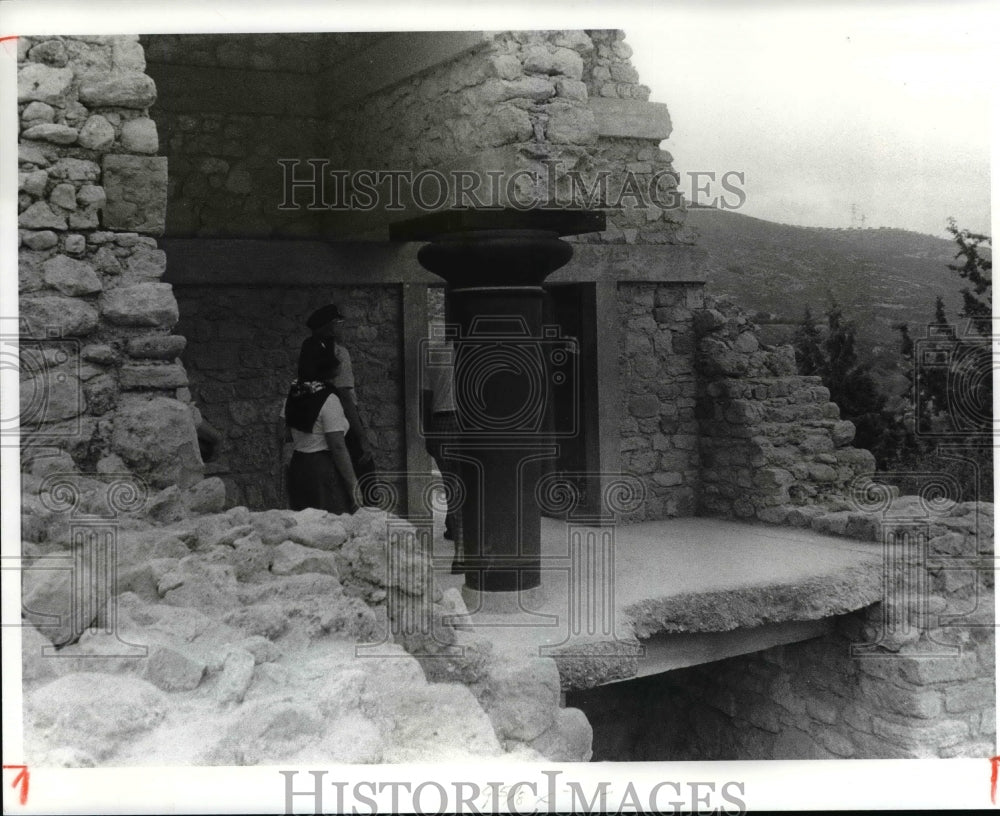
[(922, 670), (74, 244), (139, 136), (144, 304), (835, 742), (969, 696), (156, 438), (45, 316), (34, 183), (70, 277), (631, 119), (44, 239), (43, 83), (48, 132), (934, 735), (136, 189), (156, 347), (37, 112), (505, 125), (321, 535), (505, 66), (568, 739), (97, 133), (105, 260), (644, 405), (207, 496), (172, 670), (570, 124), (126, 90), (63, 195), (137, 377), (39, 216), (290, 558), (237, 672), (520, 696), (75, 170), (51, 52), (94, 712), (53, 395)]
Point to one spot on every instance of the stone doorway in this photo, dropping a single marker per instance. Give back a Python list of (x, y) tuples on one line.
[(572, 309)]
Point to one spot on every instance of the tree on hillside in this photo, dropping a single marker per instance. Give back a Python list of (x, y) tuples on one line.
[(808, 345), (977, 302), (834, 357), (949, 369)]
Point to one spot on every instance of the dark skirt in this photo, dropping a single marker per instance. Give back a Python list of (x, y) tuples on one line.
[(313, 481)]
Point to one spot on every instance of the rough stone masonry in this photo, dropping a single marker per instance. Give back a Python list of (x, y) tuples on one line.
[(233, 605)]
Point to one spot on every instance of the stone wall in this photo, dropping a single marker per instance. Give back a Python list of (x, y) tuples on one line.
[(515, 103), (242, 352), (659, 432), (608, 72), (100, 376), (773, 446), (658, 428), (230, 107), (920, 682)]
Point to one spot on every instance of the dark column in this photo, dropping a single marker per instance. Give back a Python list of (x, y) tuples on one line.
[(494, 263)]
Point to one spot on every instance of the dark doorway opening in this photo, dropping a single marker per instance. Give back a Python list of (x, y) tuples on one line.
[(574, 416)]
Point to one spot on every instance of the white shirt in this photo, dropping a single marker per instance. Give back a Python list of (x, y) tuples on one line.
[(331, 419)]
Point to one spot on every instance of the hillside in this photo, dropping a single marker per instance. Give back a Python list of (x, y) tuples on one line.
[(879, 276)]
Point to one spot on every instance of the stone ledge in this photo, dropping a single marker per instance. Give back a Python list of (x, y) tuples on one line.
[(724, 582), (631, 119)]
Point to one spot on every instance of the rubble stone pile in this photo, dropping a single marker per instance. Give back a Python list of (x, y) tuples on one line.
[(239, 638)]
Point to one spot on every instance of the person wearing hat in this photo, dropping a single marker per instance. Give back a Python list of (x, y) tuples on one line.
[(320, 473), (326, 323)]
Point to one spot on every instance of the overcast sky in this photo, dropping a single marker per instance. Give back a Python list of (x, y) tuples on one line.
[(881, 107)]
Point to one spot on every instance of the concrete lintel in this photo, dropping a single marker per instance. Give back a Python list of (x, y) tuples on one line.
[(259, 262), (393, 59), (631, 118), (669, 651), (200, 89), (232, 262)]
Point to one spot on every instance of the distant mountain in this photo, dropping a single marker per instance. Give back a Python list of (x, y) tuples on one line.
[(880, 277)]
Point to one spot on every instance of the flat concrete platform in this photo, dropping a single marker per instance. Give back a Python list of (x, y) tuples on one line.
[(626, 601)]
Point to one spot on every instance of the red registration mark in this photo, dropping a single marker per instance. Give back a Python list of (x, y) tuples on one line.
[(22, 780)]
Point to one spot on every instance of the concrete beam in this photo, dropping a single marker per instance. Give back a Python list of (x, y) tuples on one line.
[(678, 650), (233, 262), (631, 118), (198, 89), (240, 262)]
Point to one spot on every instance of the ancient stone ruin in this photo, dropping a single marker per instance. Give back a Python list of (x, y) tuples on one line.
[(165, 277)]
